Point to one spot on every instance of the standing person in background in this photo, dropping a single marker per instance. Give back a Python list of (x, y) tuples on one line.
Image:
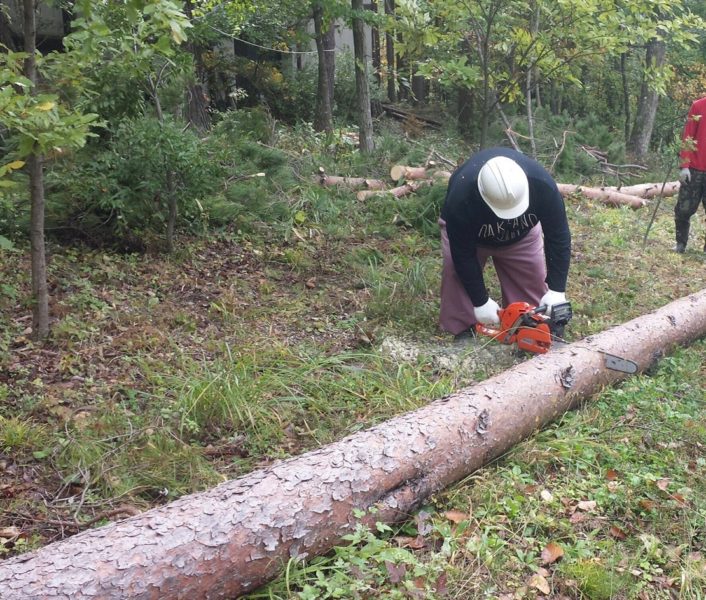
[(500, 204), (692, 176)]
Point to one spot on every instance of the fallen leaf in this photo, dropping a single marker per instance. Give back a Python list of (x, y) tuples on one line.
[(611, 475), (551, 553), (646, 504), (456, 516), (679, 499), (415, 543), (424, 527), (440, 586), (539, 583), (395, 572), (587, 505), (617, 533), (577, 517), (663, 484)]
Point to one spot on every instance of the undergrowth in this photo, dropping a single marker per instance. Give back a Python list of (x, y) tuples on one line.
[(167, 374)]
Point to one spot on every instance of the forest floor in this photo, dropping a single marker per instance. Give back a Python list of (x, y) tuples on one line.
[(166, 374)]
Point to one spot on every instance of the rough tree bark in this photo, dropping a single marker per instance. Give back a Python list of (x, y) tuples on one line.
[(647, 102), (606, 196), (390, 55), (648, 190), (399, 191), (325, 47), (233, 538), (196, 94), (35, 169), (362, 88)]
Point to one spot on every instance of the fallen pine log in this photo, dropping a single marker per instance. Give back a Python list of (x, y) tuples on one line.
[(233, 538), (648, 190), (397, 192), (398, 172), (407, 115), (354, 182), (606, 196)]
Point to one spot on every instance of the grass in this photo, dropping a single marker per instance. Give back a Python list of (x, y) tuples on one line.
[(165, 375), (618, 486)]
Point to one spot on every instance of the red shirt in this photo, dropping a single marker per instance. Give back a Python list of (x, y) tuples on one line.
[(695, 137)]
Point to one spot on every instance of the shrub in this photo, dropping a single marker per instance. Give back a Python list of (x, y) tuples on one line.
[(118, 195)]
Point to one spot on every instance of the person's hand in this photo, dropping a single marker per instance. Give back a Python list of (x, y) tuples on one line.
[(685, 175), (551, 298), (487, 313)]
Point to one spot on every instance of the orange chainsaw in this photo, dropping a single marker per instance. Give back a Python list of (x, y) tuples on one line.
[(529, 327)]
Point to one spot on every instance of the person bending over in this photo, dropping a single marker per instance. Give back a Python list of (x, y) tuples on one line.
[(503, 205)]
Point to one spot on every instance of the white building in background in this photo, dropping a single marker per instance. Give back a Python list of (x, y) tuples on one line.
[(49, 19)]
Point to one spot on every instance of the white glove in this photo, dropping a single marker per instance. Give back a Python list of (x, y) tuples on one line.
[(685, 175), (551, 298), (488, 313)]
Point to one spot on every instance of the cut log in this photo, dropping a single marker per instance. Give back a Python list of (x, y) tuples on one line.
[(233, 538), (351, 182), (398, 172), (602, 195), (407, 115), (397, 192), (648, 190)]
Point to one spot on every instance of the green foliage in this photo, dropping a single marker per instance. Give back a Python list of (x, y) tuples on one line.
[(118, 195), (370, 563), (39, 123), (246, 123)]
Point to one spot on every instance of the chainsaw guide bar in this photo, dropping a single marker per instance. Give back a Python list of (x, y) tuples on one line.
[(532, 330)]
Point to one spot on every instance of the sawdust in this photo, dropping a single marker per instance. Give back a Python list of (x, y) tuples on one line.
[(469, 359)]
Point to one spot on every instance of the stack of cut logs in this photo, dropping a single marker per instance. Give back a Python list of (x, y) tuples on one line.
[(410, 179)]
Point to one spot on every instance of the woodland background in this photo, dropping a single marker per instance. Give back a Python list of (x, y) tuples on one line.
[(182, 301)]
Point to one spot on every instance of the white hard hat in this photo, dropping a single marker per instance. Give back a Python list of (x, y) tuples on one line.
[(503, 185)]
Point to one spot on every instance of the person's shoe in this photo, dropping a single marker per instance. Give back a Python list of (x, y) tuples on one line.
[(466, 336), (680, 248)]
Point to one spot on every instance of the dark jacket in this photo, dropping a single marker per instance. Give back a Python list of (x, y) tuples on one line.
[(470, 222)]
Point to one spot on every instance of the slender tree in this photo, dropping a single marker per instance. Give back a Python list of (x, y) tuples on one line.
[(325, 47), (362, 86), (35, 169), (196, 92), (390, 55)]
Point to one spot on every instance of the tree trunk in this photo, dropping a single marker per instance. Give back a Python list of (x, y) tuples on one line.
[(362, 88), (397, 192), (647, 102), (530, 83), (325, 46), (648, 190), (196, 94), (419, 89), (390, 55), (169, 179), (35, 169), (375, 45), (607, 196), (235, 537), (626, 93)]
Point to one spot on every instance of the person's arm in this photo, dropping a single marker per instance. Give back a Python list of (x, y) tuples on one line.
[(465, 259)]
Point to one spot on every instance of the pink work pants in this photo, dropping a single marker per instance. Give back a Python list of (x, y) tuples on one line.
[(521, 270)]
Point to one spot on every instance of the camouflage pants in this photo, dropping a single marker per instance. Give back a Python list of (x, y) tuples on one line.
[(691, 194)]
